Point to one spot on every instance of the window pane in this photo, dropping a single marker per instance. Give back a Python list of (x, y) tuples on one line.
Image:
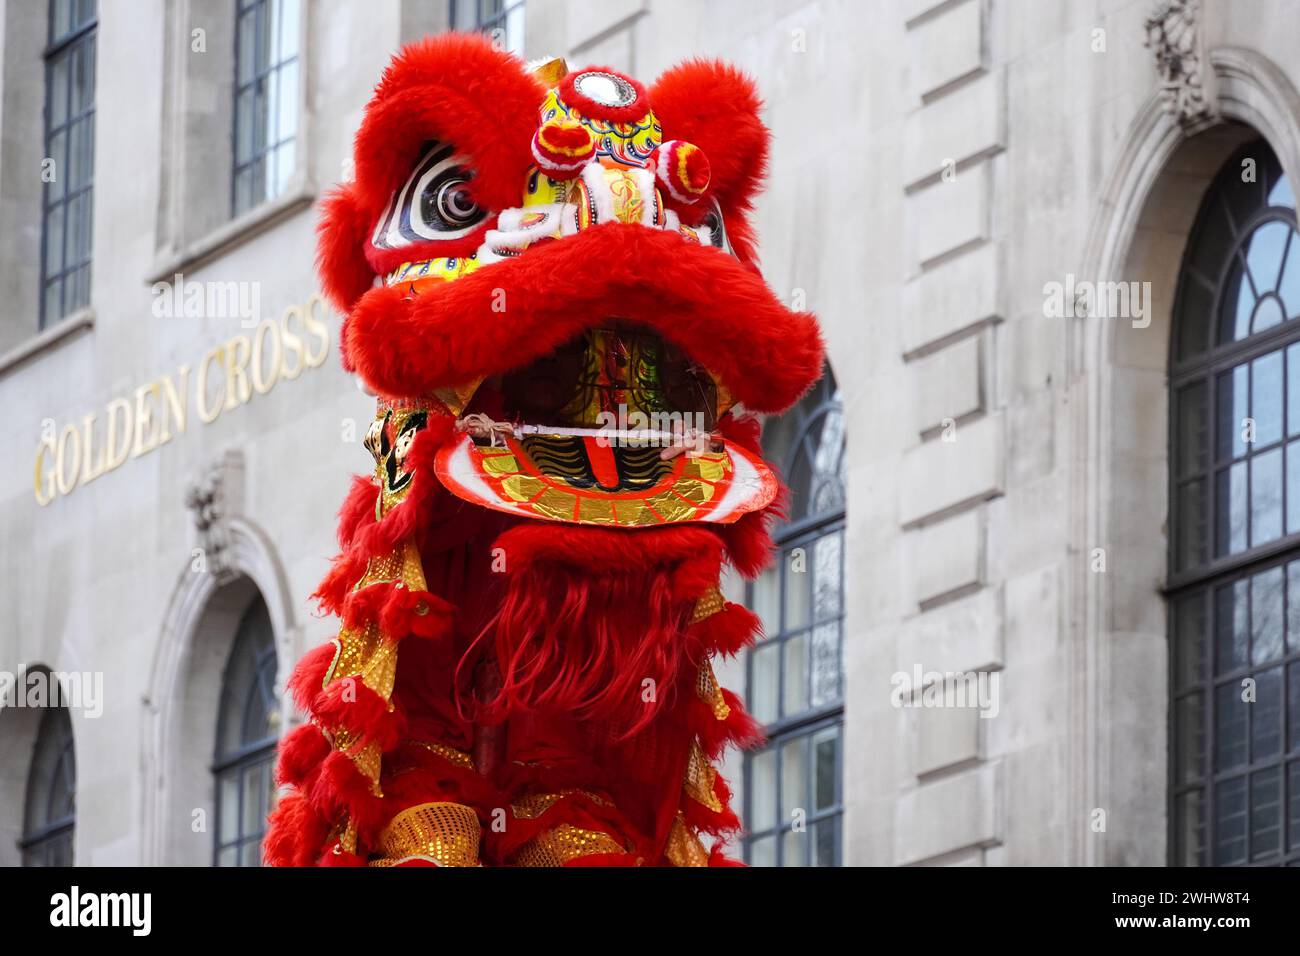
[(1230, 823), (794, 848), (762, 782), (1266, 398), (795, 697), (1293, 805), (1266, 715), (1190, 828), (1189, 723), (766, 599), (1266, 497), (1293, 708), (825, 664), (1266, 616), (1264, 255), (1289, 287), (794, 780), (762, 852), (797, 588), (1189, 641), (1231, 500), (1193, 524), (1292, 493), (1237, 308), (1230, 632), (1195, 304), (825, 836), (1193, 437), (1233, 394), (1230, 715), (1265, 813), (826, 767), (765, 677), (826, 575)]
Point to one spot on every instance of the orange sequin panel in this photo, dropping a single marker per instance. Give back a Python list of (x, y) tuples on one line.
[(447, 834)]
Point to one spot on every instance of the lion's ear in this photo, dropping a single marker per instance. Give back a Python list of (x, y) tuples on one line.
[(715, 106), (341, 233)]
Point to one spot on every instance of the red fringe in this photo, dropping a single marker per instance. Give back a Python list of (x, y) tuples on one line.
[(301, 751), (340, 790), (306, 680), (294, 833), (349, 703)]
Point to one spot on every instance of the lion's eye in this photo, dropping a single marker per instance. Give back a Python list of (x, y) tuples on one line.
[(433, 203), (717, 228)]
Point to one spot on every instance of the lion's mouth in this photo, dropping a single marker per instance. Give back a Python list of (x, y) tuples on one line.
[(607, 409), (615, 427)]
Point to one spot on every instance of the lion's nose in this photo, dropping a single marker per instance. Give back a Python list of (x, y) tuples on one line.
[(617, 193)]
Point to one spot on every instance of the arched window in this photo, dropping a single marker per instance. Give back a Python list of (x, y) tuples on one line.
[(247, 728), (793, 789), (50, 814), (1234, 583)]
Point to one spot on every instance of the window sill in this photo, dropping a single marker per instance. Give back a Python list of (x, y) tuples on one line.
[(233, 234), (47, 339)]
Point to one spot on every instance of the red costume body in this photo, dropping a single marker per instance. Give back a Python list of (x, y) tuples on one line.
[(528, 584)]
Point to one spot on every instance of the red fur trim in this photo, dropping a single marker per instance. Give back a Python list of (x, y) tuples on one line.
[(585, 105), (295, 833), (308, 677), (301, 751), (341, 234), (590, 615), (716, 106), (340, 790), (372, 538), (349, 703), (730, 630), (705, 301), (455, 88), (718, 822), (718, 858), (330, 858), (605, 551), (358, 509)]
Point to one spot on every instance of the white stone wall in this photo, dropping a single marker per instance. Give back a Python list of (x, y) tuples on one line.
[(935, 163)]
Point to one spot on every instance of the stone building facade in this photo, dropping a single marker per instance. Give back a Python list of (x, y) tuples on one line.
[(1000, 211)]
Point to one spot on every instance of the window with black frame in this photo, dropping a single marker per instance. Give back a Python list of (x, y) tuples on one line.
[(502, 20), (793, 786), (266, 99), (68, 172), (248, 726), (50, 811), (1234, 583)]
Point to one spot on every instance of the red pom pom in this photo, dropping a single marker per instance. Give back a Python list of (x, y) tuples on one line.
[(682, 169), (562, 147)]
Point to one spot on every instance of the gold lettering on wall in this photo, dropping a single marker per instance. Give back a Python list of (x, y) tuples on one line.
[(227, 376)]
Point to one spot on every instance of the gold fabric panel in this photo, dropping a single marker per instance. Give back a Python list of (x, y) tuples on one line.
[(446, 833), (709, 604), (684, 847), (700, 776), (564, 843), (711, 692)]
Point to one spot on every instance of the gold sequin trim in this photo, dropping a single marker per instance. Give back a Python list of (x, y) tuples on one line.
[(565, 843), (700, 777), (449, 754), (535, 804), (709, 604), (710, 692), (446, 833), (684, 847)]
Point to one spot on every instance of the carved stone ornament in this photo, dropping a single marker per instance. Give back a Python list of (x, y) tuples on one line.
[(1173, 34), (213, 498)]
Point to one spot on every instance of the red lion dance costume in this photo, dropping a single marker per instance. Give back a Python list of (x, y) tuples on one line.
[(550, 284)]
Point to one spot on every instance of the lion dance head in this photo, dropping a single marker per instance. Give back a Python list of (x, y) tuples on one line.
[(550, 285)]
